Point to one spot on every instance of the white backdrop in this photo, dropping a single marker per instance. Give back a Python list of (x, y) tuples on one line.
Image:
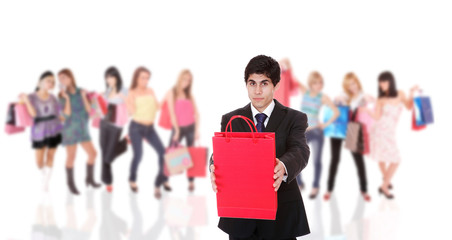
[(215, 41)]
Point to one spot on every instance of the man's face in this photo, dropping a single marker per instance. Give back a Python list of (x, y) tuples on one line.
[(260, 90)]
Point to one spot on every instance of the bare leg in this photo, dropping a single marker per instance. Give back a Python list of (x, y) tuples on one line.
[(90, 150), (50, 156), (389, 174), (71, 150), (383, 169), (40, 157)]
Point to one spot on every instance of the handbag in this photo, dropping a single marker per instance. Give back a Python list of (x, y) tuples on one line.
[(250, 194), (414, 125), (10, 126), (338, 128), (355, 140), (22, 117), (10, 115), (177, 159), (111, 113), (121, 115), (423, 110), (98, 105)]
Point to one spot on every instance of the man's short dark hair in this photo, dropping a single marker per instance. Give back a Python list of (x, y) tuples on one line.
[(266, 65)]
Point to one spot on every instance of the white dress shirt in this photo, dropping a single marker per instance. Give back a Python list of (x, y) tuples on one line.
[(268, 111)]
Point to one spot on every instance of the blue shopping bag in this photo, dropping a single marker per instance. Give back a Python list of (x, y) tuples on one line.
[(423, 111), (337, 129)]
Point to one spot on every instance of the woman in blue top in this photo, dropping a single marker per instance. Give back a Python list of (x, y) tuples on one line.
[(313, 100), (75, 129)]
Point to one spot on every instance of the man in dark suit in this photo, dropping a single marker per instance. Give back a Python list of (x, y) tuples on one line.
[(262, 75)]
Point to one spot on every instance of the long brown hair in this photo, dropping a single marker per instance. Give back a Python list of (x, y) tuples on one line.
[(70, 75), (136, 74), (187, 90)]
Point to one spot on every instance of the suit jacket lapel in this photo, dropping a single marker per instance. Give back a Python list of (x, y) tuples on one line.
[(278, 114)]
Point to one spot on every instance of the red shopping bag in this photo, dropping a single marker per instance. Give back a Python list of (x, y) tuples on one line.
[(199, 158), (244, 164), (165, 119)]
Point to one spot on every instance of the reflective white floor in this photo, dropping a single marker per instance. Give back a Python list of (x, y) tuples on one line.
[(29, 213), (419, 211)]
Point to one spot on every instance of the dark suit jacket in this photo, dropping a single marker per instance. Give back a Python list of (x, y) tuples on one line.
[(291, 148)]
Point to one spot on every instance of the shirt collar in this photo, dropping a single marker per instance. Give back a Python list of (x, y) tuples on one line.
[(268, 111)]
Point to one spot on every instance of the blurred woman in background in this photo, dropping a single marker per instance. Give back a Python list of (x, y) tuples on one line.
[(43, 106), (142, 104), (313, 100), (110, 133), (183, 113), (383, 135), (355, 98), (75, 129)]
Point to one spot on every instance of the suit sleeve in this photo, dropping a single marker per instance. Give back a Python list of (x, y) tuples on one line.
[(224, 122), (297, 154)]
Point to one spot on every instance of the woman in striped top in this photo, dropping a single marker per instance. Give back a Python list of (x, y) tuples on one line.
[(313, 100)]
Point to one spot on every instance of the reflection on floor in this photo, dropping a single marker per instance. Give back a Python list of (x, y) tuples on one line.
[(382, 224), (179, 217)]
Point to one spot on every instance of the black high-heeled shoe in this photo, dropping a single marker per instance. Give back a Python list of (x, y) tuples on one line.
[(387, 195), (167, 188), (133, 188), (313, 195)]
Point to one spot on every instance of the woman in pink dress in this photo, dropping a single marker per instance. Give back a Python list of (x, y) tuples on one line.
[(383, 142), (184, 114)]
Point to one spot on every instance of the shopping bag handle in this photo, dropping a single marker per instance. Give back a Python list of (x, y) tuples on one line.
[(248, 121)]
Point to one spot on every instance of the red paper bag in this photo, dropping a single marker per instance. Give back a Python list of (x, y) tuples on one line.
[(165, 119), (244, 164), (199, 158)]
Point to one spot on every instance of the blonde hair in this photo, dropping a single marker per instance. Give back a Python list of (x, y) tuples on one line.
[(187, 90), (314, 77), (350, 77)]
